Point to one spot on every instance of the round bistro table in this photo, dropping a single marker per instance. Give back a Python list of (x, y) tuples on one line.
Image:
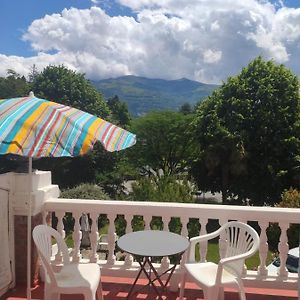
[(148, 244)]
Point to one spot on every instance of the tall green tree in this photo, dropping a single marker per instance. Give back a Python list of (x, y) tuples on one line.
[(62, 85), (164, 141), (248, 131), (119, 111), (13, 85)]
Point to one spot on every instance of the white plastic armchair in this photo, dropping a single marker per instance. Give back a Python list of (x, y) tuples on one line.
[(242, 241), (73, 278)]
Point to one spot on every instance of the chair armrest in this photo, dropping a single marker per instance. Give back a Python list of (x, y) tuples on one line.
[(237, 257), (199, 239)]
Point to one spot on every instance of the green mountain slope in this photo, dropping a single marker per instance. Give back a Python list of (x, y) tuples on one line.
[(144, 94)]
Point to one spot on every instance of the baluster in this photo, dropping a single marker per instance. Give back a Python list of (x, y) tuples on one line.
[(185, 233), (165, 262), (60, 229), (128, 258), (283, 248), (222, 240), (44, 216), (175, 280), (263, 248), (111, 258), (77, 236), (147, 221), (94, 237), (203, 245), (184, 228)]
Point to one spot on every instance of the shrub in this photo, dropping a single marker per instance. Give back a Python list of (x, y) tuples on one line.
[(162, 189), (82, 191), (85, 191), (289, 198)]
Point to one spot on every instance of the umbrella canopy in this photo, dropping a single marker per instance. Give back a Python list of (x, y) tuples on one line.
[(35, 127)]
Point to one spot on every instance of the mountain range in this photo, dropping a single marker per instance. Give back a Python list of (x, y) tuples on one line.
[(144, 94)]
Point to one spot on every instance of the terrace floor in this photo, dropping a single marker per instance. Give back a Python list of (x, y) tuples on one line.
[(115, 288)]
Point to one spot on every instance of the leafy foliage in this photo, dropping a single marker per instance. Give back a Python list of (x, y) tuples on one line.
[(162, 189), (85, 191), (13, 85), (290, 198), (164, 141), (119, 110), (248, 131), (62, 85)]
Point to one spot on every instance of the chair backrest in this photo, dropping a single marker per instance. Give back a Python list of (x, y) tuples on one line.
[(42, 236), (241, 239)]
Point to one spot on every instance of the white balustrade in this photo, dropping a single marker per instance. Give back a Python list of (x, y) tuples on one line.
[(260, 217)]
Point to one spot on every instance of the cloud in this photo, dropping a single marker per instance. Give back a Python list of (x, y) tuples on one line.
[(205, 40)]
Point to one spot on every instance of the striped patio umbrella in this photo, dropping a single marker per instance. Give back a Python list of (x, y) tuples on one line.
[(34, 127)]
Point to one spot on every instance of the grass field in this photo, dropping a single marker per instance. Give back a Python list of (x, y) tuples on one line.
[(212, 254)]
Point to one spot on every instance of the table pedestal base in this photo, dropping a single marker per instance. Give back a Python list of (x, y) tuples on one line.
[(157, 277)]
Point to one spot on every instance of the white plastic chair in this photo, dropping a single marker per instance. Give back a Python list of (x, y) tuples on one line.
[(73, 278), (242, 241)]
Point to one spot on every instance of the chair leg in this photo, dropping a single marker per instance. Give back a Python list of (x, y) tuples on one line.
[(182, 285), (47, 293), (55, 296), (241, 290), (88, 295), (99, 292), (221, 293), (210, 293)]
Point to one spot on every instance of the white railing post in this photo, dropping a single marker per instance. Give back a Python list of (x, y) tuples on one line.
[(60, 229), (147, 220), (77, 236), (111, 259), (94, 237), (165, 262), (283, 248), (203, 245), (128, 257), (263, 248)]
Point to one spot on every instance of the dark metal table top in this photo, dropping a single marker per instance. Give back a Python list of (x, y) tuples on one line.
[(153, 243)]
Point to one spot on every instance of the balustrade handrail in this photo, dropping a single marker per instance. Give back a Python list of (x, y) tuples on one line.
[(173, 209)]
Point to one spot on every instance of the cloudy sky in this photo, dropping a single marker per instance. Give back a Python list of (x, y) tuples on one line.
[(204, 40)]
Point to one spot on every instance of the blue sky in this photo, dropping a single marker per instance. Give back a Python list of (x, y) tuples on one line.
[(20, 13), (204, 40)]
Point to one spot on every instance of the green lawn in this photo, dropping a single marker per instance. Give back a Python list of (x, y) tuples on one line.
[(252, 262), (212, 253)]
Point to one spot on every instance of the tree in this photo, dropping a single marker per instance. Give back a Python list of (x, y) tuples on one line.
[(33, 73), (186, 108), (13, 85), (248, 131), (59, 84), (119, 110), (164, 141)]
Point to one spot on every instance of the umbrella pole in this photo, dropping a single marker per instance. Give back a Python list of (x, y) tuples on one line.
[(29, 231)]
